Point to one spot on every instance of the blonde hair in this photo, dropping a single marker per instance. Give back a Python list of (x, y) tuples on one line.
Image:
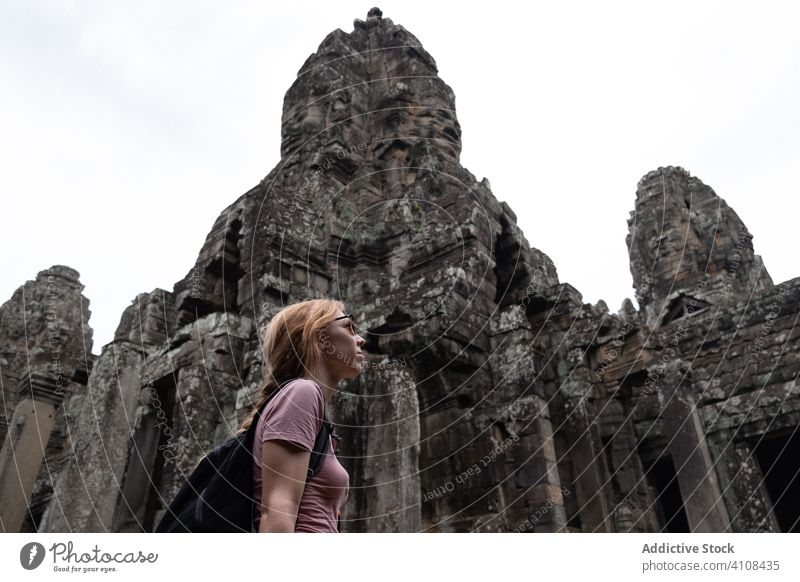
[(290, 345)]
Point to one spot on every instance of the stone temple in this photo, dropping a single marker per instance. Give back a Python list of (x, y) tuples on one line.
[(494, 399)]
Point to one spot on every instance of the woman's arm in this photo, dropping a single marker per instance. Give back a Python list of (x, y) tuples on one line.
[(283, 478)]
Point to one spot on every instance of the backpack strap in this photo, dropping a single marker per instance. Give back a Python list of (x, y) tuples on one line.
[(320, 449)]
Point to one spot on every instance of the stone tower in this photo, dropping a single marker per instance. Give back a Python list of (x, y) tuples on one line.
[(45, 360), (686, 243), (493, 398), (369, 204)]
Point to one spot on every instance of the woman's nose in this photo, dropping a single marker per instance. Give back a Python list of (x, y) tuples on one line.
[(361, 340)]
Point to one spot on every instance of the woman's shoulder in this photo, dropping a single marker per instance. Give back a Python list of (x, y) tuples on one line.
[(302, 389), (297, 408), (303, 385)]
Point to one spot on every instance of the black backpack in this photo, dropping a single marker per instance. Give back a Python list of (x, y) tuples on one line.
[(218, 495)]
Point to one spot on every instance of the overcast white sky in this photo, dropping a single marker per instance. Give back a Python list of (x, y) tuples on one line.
[(127, 127)]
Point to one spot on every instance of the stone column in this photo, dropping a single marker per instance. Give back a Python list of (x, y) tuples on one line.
[(633, 504), (388, 458), (697, 476), (86, 491), (24, 448), (4, 426), (545, 500), (130, 514), (584, 447), (532, 495), (742, 482)]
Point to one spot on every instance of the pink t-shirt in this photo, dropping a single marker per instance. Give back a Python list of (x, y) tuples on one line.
[(295, 414)]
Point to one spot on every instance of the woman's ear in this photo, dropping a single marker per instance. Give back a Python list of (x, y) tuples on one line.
[(322, 342), (325, 345)]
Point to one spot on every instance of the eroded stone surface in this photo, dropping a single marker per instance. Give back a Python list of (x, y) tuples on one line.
[(493, 398), (45, 354)]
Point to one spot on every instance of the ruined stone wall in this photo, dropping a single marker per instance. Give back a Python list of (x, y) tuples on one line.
[(45, 362), (681, 416), (492, 398)]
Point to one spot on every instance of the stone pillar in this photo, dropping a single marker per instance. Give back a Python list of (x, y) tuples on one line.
[(86, 491), (388, 458), (545, 499), (633, 503), (24, 448), (131, 511), (742, 481), (697, 477), (590, 473), (4, 426), (533, 498)]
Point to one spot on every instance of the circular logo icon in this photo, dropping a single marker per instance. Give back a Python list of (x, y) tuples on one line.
[(31, 555)]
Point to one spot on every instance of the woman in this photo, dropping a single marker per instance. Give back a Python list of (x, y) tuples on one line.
[(314, 344)]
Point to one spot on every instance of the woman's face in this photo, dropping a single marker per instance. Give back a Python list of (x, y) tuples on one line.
[(341, 347)]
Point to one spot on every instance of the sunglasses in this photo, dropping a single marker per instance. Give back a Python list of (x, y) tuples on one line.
[(353, 326)]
